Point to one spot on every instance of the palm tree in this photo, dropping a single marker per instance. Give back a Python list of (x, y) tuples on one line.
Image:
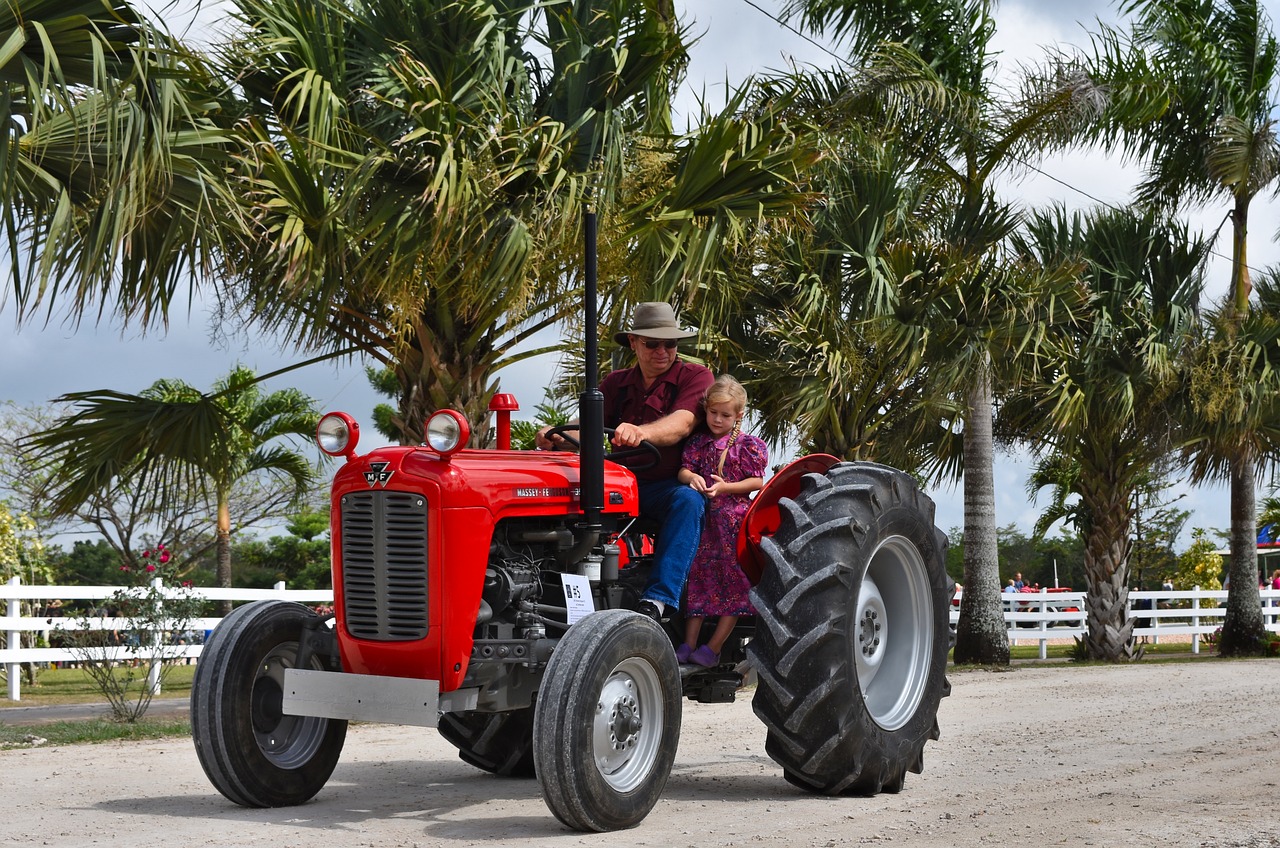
[(232, 435), (108, 171), (1232, 419), (1191, 94), (414, 176), (985, 312), (1101, 412), (811, 321)]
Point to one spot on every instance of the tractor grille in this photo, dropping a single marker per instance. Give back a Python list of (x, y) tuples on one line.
[(384, 565)]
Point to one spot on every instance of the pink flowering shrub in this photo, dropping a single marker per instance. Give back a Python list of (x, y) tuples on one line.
[(129, 658)]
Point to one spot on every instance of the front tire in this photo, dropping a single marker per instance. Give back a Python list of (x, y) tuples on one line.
[(252, 753), (607, 721), (852, 631)]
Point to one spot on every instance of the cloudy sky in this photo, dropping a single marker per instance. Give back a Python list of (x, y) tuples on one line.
[(41, 361)]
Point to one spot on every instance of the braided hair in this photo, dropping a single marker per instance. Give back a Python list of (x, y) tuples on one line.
[(727, 390)]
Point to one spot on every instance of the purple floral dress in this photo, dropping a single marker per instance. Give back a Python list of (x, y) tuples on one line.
[(716, 584)]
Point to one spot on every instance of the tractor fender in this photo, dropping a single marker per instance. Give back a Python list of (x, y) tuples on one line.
[(762, 518)]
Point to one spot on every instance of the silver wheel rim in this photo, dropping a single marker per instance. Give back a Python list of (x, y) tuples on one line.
[(289, 742), (893, 634), (626, 730)]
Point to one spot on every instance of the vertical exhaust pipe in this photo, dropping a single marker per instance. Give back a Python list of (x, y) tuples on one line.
[(591, 401)]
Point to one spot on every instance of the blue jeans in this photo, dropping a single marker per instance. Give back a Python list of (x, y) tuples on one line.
[(679, 509)]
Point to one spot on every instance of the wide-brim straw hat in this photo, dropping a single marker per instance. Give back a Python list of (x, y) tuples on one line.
[(655, 321)]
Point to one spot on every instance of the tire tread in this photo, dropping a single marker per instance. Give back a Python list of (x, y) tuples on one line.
[(807, 697)]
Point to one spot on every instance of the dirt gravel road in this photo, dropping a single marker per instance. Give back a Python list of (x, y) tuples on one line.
[(1145, 755)]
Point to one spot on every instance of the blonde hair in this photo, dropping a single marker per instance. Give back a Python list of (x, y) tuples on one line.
[(726, 390)]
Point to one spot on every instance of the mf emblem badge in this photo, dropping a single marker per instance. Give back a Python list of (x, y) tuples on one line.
[(378, 475)]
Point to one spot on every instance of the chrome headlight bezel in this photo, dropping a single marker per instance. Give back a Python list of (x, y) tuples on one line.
[(337, 434), (447, 432)]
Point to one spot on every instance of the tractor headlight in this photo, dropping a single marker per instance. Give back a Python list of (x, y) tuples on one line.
[(337, 434), (447, 432)]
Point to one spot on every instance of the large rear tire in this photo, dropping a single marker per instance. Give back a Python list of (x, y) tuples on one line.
[(607, 721), (852, 631), (252, 753), (499, 743)]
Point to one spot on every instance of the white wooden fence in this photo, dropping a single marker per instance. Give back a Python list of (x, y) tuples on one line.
[(1031, 617), (1046, 615), (13, 623)]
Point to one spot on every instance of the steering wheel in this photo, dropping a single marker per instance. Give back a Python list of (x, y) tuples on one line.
[(645, 448)]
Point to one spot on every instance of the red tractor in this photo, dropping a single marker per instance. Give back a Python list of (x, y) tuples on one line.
[(480, 592)]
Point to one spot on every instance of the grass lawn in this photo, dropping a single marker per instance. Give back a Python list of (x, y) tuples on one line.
[(58, 686), (89, 730), (1166, 650)]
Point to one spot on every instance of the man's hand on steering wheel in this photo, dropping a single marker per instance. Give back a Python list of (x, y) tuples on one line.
[(641, 447), (627, 436), (555, 438)]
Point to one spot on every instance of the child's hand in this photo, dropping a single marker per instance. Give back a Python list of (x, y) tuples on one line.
[(697, 483), (717, 485)]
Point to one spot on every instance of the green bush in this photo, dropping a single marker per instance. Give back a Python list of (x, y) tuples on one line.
[(122, 663)]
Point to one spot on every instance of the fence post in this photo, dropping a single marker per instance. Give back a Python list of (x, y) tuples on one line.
[(1156, 619), (1195, 621), (157, 648), (13, 639), (1044, 624)]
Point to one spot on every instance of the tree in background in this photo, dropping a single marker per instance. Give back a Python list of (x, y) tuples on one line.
[(798, 317), (300, 558), (988, 310), (1157, 523), (119, 514), (1232, 428), (551, 411), (86, 563), (1191, 95), (1061, 561), (23, 555), (1101, 412), (110, 439), (1044, 560), (1200, 564)]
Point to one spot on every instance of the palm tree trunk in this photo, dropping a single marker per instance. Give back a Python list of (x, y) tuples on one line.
[(1241, 285), (1106, 568), (1242, 627), (981, 636), (224, 552), (435, 373)]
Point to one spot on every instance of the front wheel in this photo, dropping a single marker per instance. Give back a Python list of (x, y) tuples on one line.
[(251, 751), (853, 631), (607, 721)]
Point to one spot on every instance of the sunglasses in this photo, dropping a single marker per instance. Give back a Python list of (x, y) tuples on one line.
[(654, 344)]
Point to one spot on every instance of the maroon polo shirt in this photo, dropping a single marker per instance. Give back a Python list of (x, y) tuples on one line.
[(625, 400)]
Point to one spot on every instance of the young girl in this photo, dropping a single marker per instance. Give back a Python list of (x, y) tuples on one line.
[(726, 465)]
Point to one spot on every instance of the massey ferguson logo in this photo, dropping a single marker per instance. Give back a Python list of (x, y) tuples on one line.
[(378, 475)]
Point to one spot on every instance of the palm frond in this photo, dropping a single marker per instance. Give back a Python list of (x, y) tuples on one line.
[(159, 445)]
